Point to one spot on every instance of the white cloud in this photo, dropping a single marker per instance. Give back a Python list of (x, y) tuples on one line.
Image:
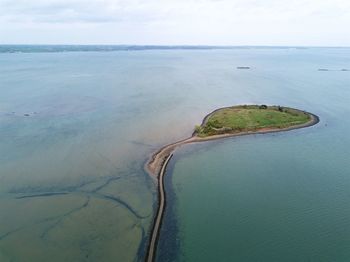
[(274, 22)]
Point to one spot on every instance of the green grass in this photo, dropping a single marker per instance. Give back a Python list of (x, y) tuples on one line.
[(250, 118)]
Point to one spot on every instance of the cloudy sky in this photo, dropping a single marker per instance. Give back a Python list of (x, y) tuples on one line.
[(190, 22)]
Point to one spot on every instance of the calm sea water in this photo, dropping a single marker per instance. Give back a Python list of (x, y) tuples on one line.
[(77, 127)]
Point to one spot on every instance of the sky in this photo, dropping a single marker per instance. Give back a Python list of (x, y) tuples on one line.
[(176, 22)]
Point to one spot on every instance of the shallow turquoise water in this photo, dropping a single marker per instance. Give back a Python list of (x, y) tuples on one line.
[(273, 197), (77, 127)]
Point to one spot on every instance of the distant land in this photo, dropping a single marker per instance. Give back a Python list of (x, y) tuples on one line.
[(96, 48)]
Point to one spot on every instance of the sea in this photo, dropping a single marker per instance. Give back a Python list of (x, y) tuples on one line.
[(78, 124)]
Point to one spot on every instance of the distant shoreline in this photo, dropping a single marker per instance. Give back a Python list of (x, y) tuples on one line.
[(157, 163), (52, 48)]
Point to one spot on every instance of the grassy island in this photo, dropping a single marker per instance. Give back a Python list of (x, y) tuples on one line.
[(222, 123), (250, 118)]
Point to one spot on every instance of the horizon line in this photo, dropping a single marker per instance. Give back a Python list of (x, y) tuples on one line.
[(181, 45)]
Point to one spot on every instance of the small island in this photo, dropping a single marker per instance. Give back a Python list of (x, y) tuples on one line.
[(221, 123), (236, 121), (250, 118)]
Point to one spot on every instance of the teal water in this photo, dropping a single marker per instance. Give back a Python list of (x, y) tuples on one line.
[(77, 127), (272, 197)]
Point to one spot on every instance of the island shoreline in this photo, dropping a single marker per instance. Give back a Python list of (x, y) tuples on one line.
[(157, 163)]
